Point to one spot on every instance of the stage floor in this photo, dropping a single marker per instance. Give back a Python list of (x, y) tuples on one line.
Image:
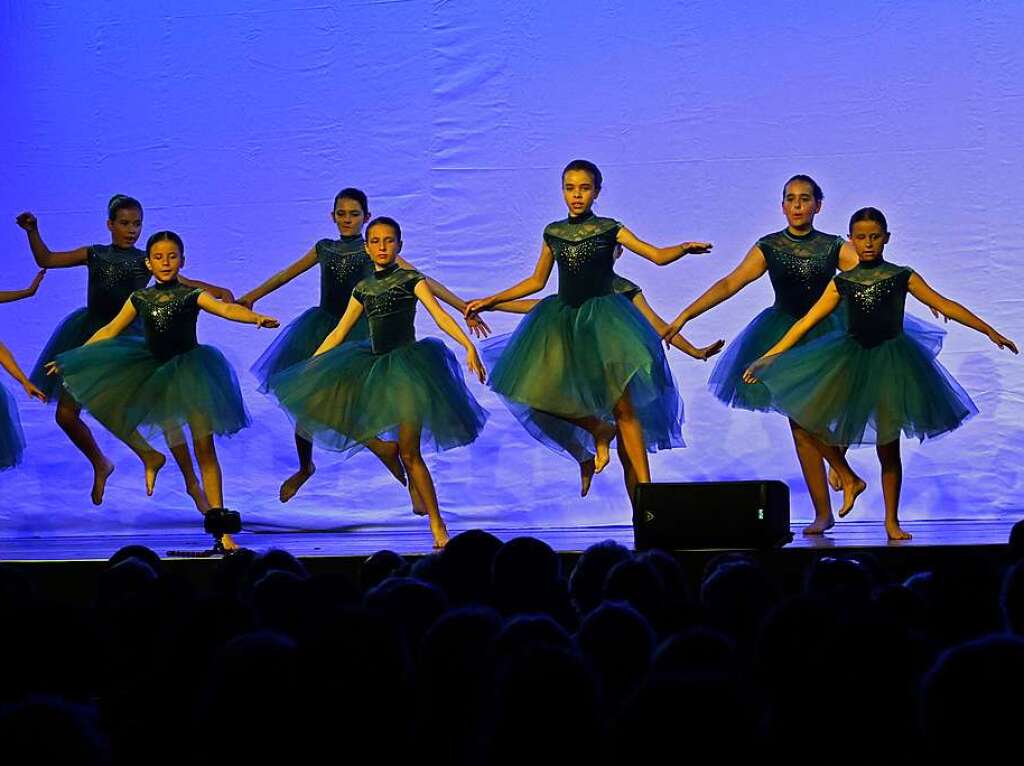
[(363, 542)]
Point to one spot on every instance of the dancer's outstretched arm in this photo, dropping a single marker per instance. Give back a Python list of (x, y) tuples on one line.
[(218, 292), (752, 267), (281, 278), (476, 325), (9, 296), (659, 325), (660, 255), (45, 258), (532, 284), (234, 312), (955, 311), (343, 328), (451, 327), (826, 304), (9, 363)]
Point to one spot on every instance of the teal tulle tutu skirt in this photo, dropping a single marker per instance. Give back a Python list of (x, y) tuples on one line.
[(847, 394), (74, 330), (12, 440), (565, 361), (349, 395), (125, 387), (763, 332), (299, 341)]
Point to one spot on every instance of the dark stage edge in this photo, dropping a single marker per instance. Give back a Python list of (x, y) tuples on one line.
[(66, 568)]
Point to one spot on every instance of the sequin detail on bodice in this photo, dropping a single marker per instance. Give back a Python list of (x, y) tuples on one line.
[(584, 249), (114, 274), (800, 267), (875, 298), (343, 265), (169, 313), (389, 302)]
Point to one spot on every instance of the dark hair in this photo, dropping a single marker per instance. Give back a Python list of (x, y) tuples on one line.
[(122, 202), (819, 195), (356, 195), (383, 220), (165, 236), (588, 167), (869, 214)]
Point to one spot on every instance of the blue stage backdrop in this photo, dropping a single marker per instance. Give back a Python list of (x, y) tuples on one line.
[(236, 123)]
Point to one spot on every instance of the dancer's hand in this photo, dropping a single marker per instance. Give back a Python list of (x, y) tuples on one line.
[(33, 392), (673, 330), (31, 289), (696, 248), (474, 307), (27, 221), (709, 351), (264, 321), (750, 374), (1002, 341), (475, 365), (51, 368), (939, 315), (477, 326)]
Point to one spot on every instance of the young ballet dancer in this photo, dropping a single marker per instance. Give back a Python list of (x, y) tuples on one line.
[(165, 381), (343, 264), (875, 381), (390, 387), (115, 270), (585, 365)]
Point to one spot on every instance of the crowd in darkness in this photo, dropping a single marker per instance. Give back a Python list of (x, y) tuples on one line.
[(490, 653)]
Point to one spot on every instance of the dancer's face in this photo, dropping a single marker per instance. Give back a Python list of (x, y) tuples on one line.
[(869, 239), (578, 191), (165, 260), (382, 245), (799, 205), (126, 227), (349, 217)]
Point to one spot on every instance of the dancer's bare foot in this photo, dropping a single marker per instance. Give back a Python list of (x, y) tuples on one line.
[(820, 526), (153, 461), (835, 480), (389, 456), (896, 532), (100, 474), (587, 470), (439, 531), (852, 487), (292, 484), (195, 491), (417, 502), (602, 446), (229, 543)]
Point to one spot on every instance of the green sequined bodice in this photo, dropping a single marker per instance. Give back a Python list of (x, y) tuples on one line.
[(584, 249), (389, 303), (114, 274), (800, 267), (169, 313), (875, 297), (343, 265)]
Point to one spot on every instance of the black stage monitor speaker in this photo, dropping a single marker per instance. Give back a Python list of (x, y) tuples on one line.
[(714, 514)]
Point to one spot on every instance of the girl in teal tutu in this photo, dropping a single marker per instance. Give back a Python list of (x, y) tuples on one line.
[(875, 381), (390, 387), (12, 441), (166, 380), (343, 264), (634, 293), (585, 365), (115, 270), (799, 261)]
